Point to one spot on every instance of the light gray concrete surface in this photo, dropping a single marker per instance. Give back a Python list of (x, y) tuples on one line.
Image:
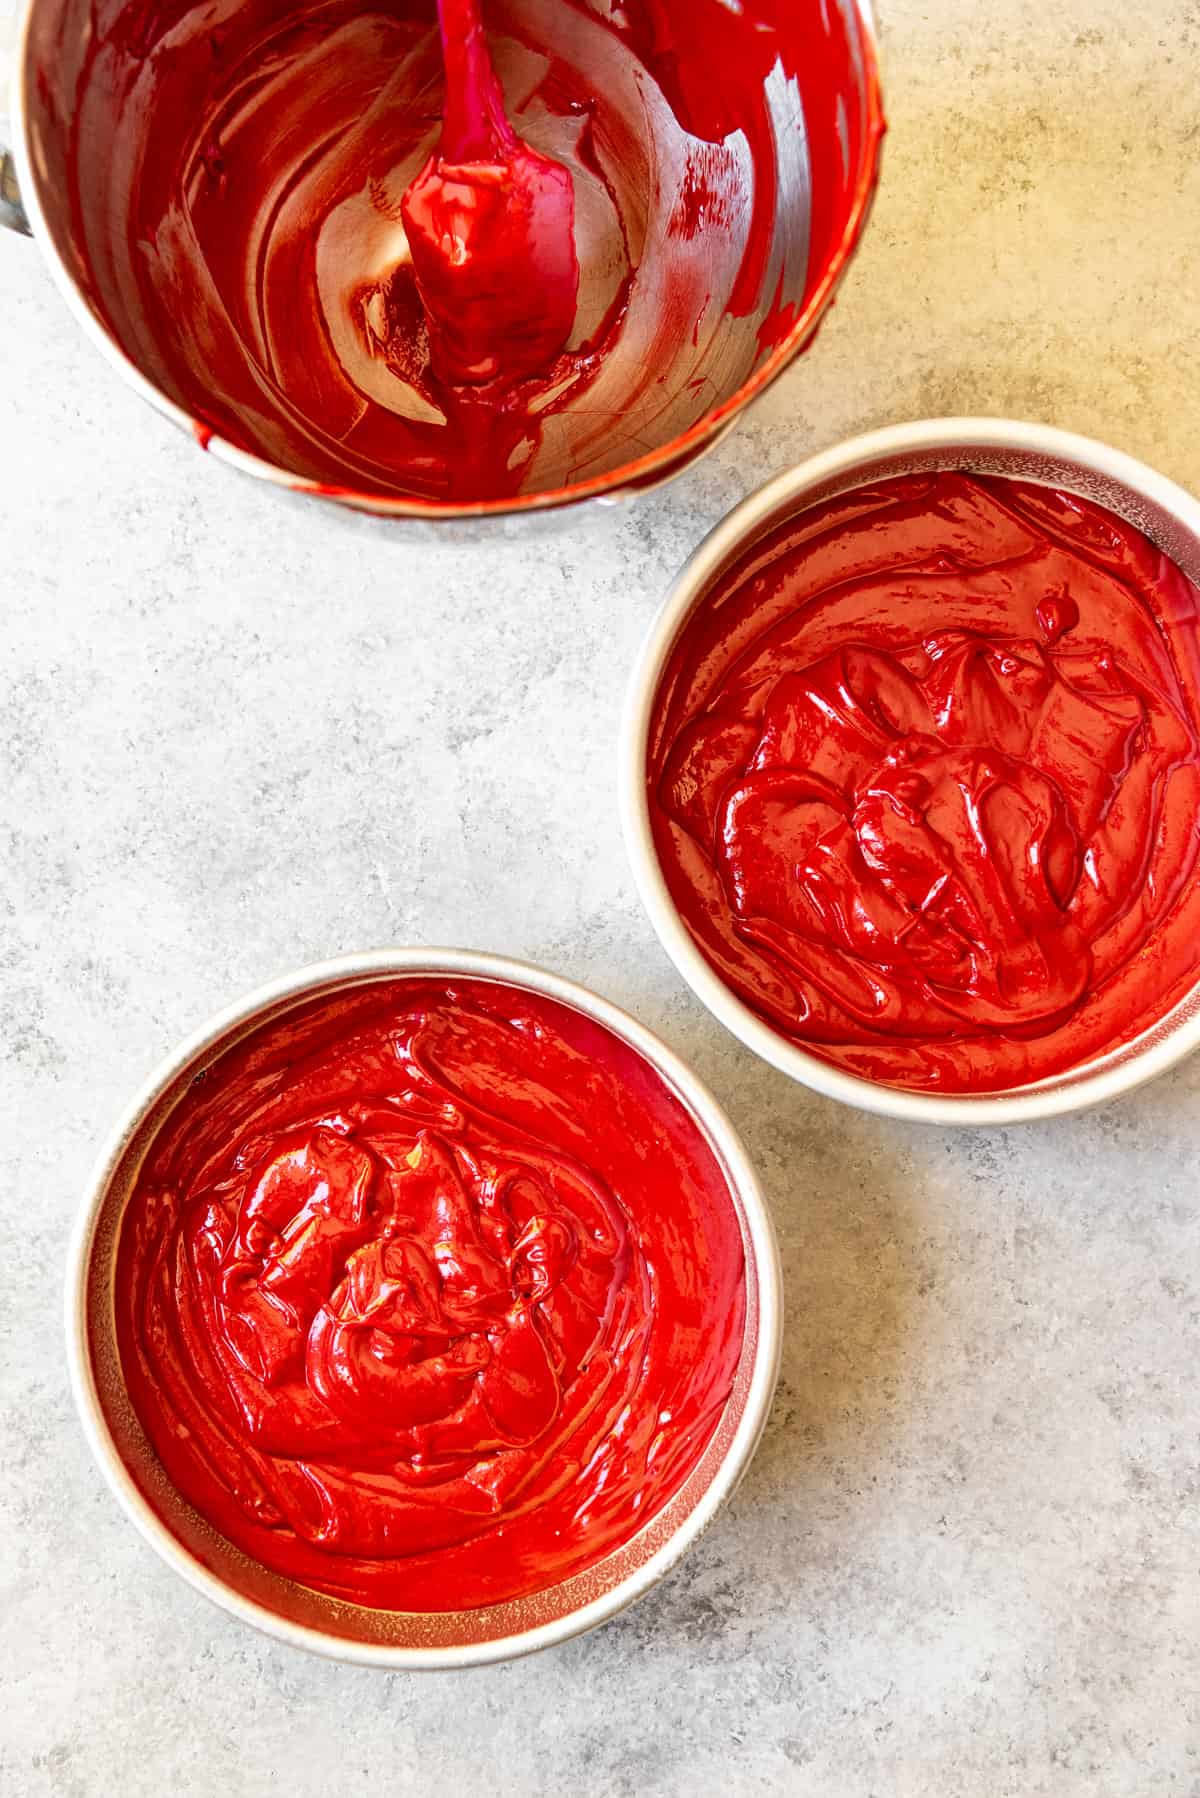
[(238, 735)]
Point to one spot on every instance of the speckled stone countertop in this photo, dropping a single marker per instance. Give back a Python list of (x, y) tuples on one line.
[(238, 735)]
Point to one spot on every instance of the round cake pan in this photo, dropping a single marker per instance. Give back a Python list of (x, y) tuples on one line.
[(1167, 514), (294, 1613)]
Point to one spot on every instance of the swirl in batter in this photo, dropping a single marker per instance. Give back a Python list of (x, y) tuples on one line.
[(430, 1297), (925, 782)]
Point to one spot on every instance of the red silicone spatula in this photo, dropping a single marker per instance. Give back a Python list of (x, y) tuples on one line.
[(491, 227)]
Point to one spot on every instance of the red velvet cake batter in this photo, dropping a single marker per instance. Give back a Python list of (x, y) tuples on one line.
[(925, 782), (430, 1296)]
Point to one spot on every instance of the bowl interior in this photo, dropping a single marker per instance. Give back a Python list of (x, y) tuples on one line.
[(1163, 513), (1114, 486), (711, 215), (204, 1556)]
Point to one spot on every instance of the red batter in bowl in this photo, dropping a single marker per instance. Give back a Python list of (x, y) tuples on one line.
[(567, 286), (430, 1295), (924, 773)]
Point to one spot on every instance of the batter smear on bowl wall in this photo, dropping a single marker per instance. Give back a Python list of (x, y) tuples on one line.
[(924, 778), (499, 261)]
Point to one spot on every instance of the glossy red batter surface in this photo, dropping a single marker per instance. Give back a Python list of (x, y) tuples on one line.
[(430, 1296), (925, 782)]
